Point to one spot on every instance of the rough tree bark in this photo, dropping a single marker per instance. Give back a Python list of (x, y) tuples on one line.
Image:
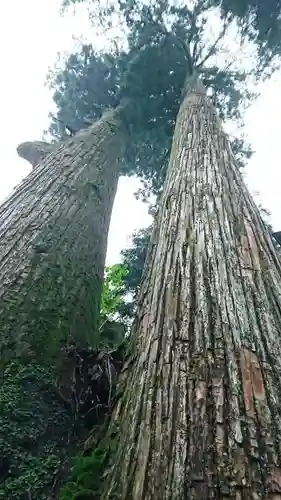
[(53, 238), (200, 415)]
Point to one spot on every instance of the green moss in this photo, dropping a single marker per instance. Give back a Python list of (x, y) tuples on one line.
[(35, 426), (87, 471), (39, 433)]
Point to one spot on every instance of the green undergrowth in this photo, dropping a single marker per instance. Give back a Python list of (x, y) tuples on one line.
[(86, 477), (40, 432), (36, 432), (84, 482)]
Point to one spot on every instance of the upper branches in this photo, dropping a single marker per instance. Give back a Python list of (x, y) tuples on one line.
[(164, 43)]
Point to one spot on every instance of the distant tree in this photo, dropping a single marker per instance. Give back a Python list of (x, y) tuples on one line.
[(133, 258), (113, 311), (113, 291)]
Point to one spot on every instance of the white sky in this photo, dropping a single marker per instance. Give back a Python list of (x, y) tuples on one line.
[(31, 35)]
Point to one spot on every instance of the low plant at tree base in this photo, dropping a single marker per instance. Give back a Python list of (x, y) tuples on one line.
[(40, 427), (86, 476), (35, 427)]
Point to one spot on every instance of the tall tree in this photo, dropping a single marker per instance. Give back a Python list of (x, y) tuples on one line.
[(199, 416), (53, 240)]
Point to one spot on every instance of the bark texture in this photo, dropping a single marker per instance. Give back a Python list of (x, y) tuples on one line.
[(53, 239), (200, 417)]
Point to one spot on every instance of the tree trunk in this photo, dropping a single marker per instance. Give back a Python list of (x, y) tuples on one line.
[(200, 415), (53, 239)]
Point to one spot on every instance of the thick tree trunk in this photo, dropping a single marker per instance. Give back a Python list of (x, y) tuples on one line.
[(53, 238), (200, 416)]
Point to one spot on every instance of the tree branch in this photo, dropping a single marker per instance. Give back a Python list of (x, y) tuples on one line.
[(215, 44), (71, 130), (185, 47), (195, 46), (35, 151), (193, 31)]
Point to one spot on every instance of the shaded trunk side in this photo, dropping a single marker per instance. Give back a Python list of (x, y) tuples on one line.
[(53, 239), (200, 414)]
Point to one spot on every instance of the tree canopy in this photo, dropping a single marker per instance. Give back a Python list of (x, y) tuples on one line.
[(163, 44), (261, 21)]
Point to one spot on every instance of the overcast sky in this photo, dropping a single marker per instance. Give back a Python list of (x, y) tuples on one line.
[(31, 34)]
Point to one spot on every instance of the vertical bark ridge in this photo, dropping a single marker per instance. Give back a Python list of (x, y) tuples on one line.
[(53, 238), (200, 415)]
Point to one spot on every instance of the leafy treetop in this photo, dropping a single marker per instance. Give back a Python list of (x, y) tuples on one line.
[(261, 21), (164, 44)]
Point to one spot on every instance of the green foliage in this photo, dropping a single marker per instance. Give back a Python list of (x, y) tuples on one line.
[(84, 481), (112, 297), (134, 258), (34, 431), (260, 20), (165, 43), (122, 283), (113, 319), (89, 80), (86, 476)]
